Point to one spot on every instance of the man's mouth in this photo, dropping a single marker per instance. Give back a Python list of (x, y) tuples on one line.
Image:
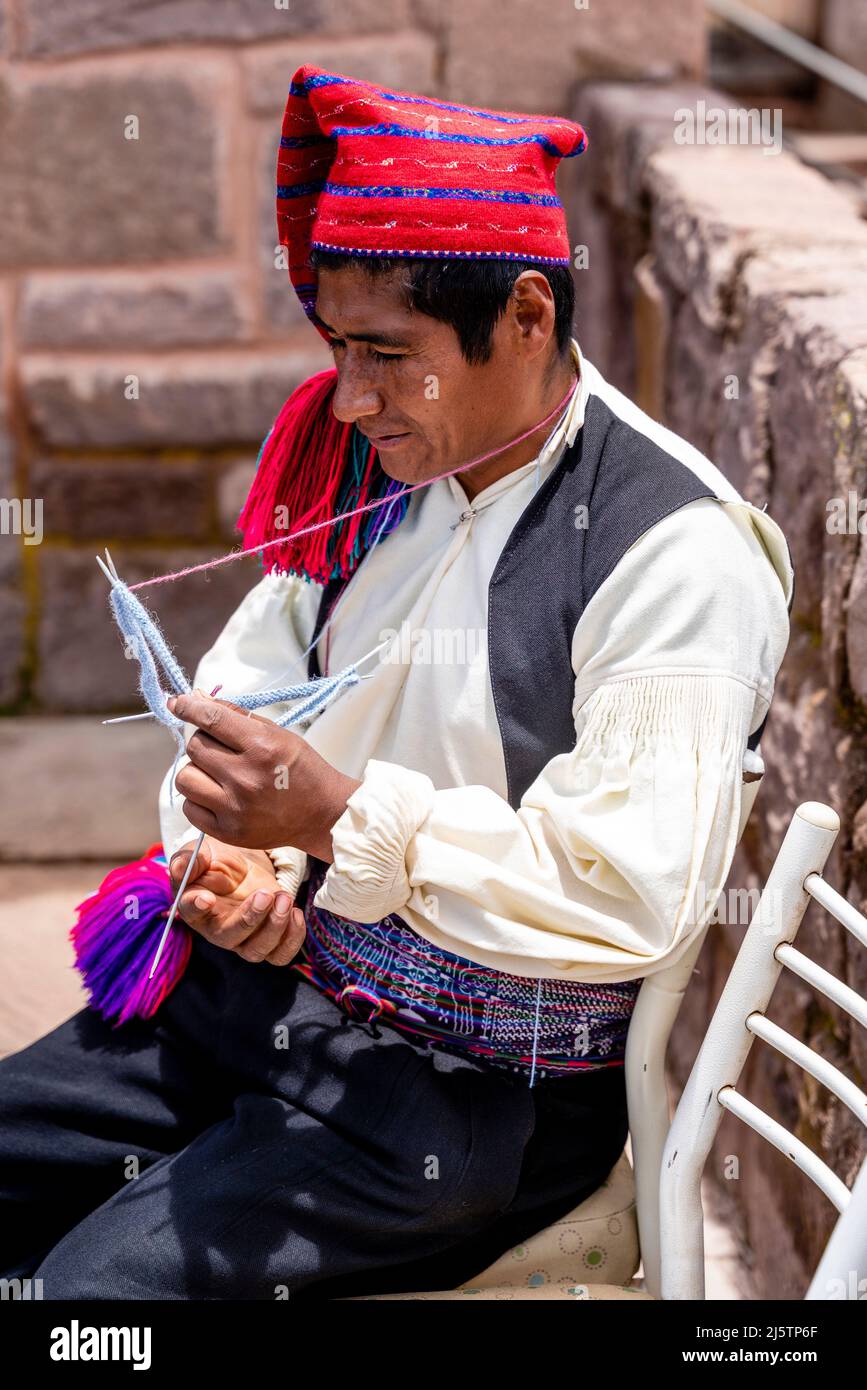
[(388, 441)]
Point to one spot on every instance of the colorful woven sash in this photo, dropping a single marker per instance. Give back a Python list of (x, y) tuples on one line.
[(385, 972)]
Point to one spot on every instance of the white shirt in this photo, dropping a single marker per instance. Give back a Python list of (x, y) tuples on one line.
[(621, 846)]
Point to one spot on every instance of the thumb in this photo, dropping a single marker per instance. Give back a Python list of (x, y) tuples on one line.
[(181, 858), (239, 709)]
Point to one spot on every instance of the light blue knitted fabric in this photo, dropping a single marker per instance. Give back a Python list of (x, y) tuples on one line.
[(147, 643)]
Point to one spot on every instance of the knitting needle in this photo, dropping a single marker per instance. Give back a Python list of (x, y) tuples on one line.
[(173, 913), (111, 575), (105, 569), (189, 869), (198, 846), (128, 718)]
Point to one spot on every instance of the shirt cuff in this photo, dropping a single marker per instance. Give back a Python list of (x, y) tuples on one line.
[(368, 878), (290, 866)]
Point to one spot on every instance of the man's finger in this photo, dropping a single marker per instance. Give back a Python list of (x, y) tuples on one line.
[(192, 782), (267, 937), (201, 817), (181, 857), (199, 909), (291, 941), (245, 920), (211, 756), (222, 924), (246, 713)]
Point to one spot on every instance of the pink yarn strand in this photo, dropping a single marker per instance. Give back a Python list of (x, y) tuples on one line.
[(356, 511)]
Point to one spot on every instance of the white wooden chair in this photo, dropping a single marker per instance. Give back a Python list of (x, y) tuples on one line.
[(711, 1089), (655, 1204), (594, 1252)]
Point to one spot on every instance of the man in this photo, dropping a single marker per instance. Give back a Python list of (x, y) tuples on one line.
[(420, 924)]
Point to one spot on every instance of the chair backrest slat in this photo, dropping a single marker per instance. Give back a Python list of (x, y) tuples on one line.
[(838, 906), (723, 1053), (804, 1057), (815, 1168), (823, 981)]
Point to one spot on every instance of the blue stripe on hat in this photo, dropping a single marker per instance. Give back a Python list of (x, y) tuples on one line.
[(398, 190), (326, 79), (458, 138)]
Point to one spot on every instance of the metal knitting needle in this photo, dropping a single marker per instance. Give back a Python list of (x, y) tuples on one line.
[(111, 575), (198, 846), (105, 569), (128, 718), (174, 909)]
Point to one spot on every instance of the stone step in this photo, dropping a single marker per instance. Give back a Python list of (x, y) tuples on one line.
[(74, 788)]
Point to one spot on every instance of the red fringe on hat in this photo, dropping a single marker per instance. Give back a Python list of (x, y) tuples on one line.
[(313, 468), (299, 469)]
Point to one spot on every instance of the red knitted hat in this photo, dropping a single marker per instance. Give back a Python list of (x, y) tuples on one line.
[(370, 172)]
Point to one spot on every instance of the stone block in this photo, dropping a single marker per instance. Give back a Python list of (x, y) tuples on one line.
[(625, 123), (137, 309), (204, 400), (232, 488), (281, 305), (713, 206), (92, 26), (539, 53), (698, 366), (77, 191), (81, 663), (131, 498), (404, 61), (817, 415), (12, 603)]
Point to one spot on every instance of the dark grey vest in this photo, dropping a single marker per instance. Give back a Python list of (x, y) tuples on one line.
[(548, 571)]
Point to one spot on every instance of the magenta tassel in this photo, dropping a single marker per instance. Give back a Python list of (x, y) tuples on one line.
[(116, 935)]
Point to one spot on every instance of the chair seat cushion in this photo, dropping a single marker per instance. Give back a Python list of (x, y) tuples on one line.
[(595, 1243)]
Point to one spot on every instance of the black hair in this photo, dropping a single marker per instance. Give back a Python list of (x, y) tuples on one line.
[(470, 294)]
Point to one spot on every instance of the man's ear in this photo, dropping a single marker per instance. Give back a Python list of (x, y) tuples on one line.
[(532, 308)]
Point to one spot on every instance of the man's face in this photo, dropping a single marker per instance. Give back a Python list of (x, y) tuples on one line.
[(403, 381)]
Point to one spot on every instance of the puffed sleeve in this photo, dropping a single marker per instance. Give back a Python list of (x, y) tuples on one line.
[(262, 644), (620, 847)]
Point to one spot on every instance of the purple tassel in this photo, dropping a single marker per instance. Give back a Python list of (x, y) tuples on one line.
[(116, 935)]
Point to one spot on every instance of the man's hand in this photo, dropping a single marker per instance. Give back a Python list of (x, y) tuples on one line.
[(233, 900), (251, 783)]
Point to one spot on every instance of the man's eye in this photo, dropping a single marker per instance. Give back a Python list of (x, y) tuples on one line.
[(336, 343)]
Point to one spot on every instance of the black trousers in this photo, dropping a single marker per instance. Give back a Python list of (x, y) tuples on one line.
[(251, 1142)]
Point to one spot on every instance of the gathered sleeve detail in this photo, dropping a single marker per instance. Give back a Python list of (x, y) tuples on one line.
[(615, 857)]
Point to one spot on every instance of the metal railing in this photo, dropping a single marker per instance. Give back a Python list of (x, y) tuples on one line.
[(799, 50)]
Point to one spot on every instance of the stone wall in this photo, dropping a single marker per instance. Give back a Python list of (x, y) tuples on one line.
[(844, 33), (727, 293), (147, 337)]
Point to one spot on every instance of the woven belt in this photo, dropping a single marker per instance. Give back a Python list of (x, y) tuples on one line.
[(386, 972)]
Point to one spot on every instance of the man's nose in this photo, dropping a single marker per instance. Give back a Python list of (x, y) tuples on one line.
[(355, 394)]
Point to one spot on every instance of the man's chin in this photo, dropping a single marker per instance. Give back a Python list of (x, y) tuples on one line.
[(406, 462)]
